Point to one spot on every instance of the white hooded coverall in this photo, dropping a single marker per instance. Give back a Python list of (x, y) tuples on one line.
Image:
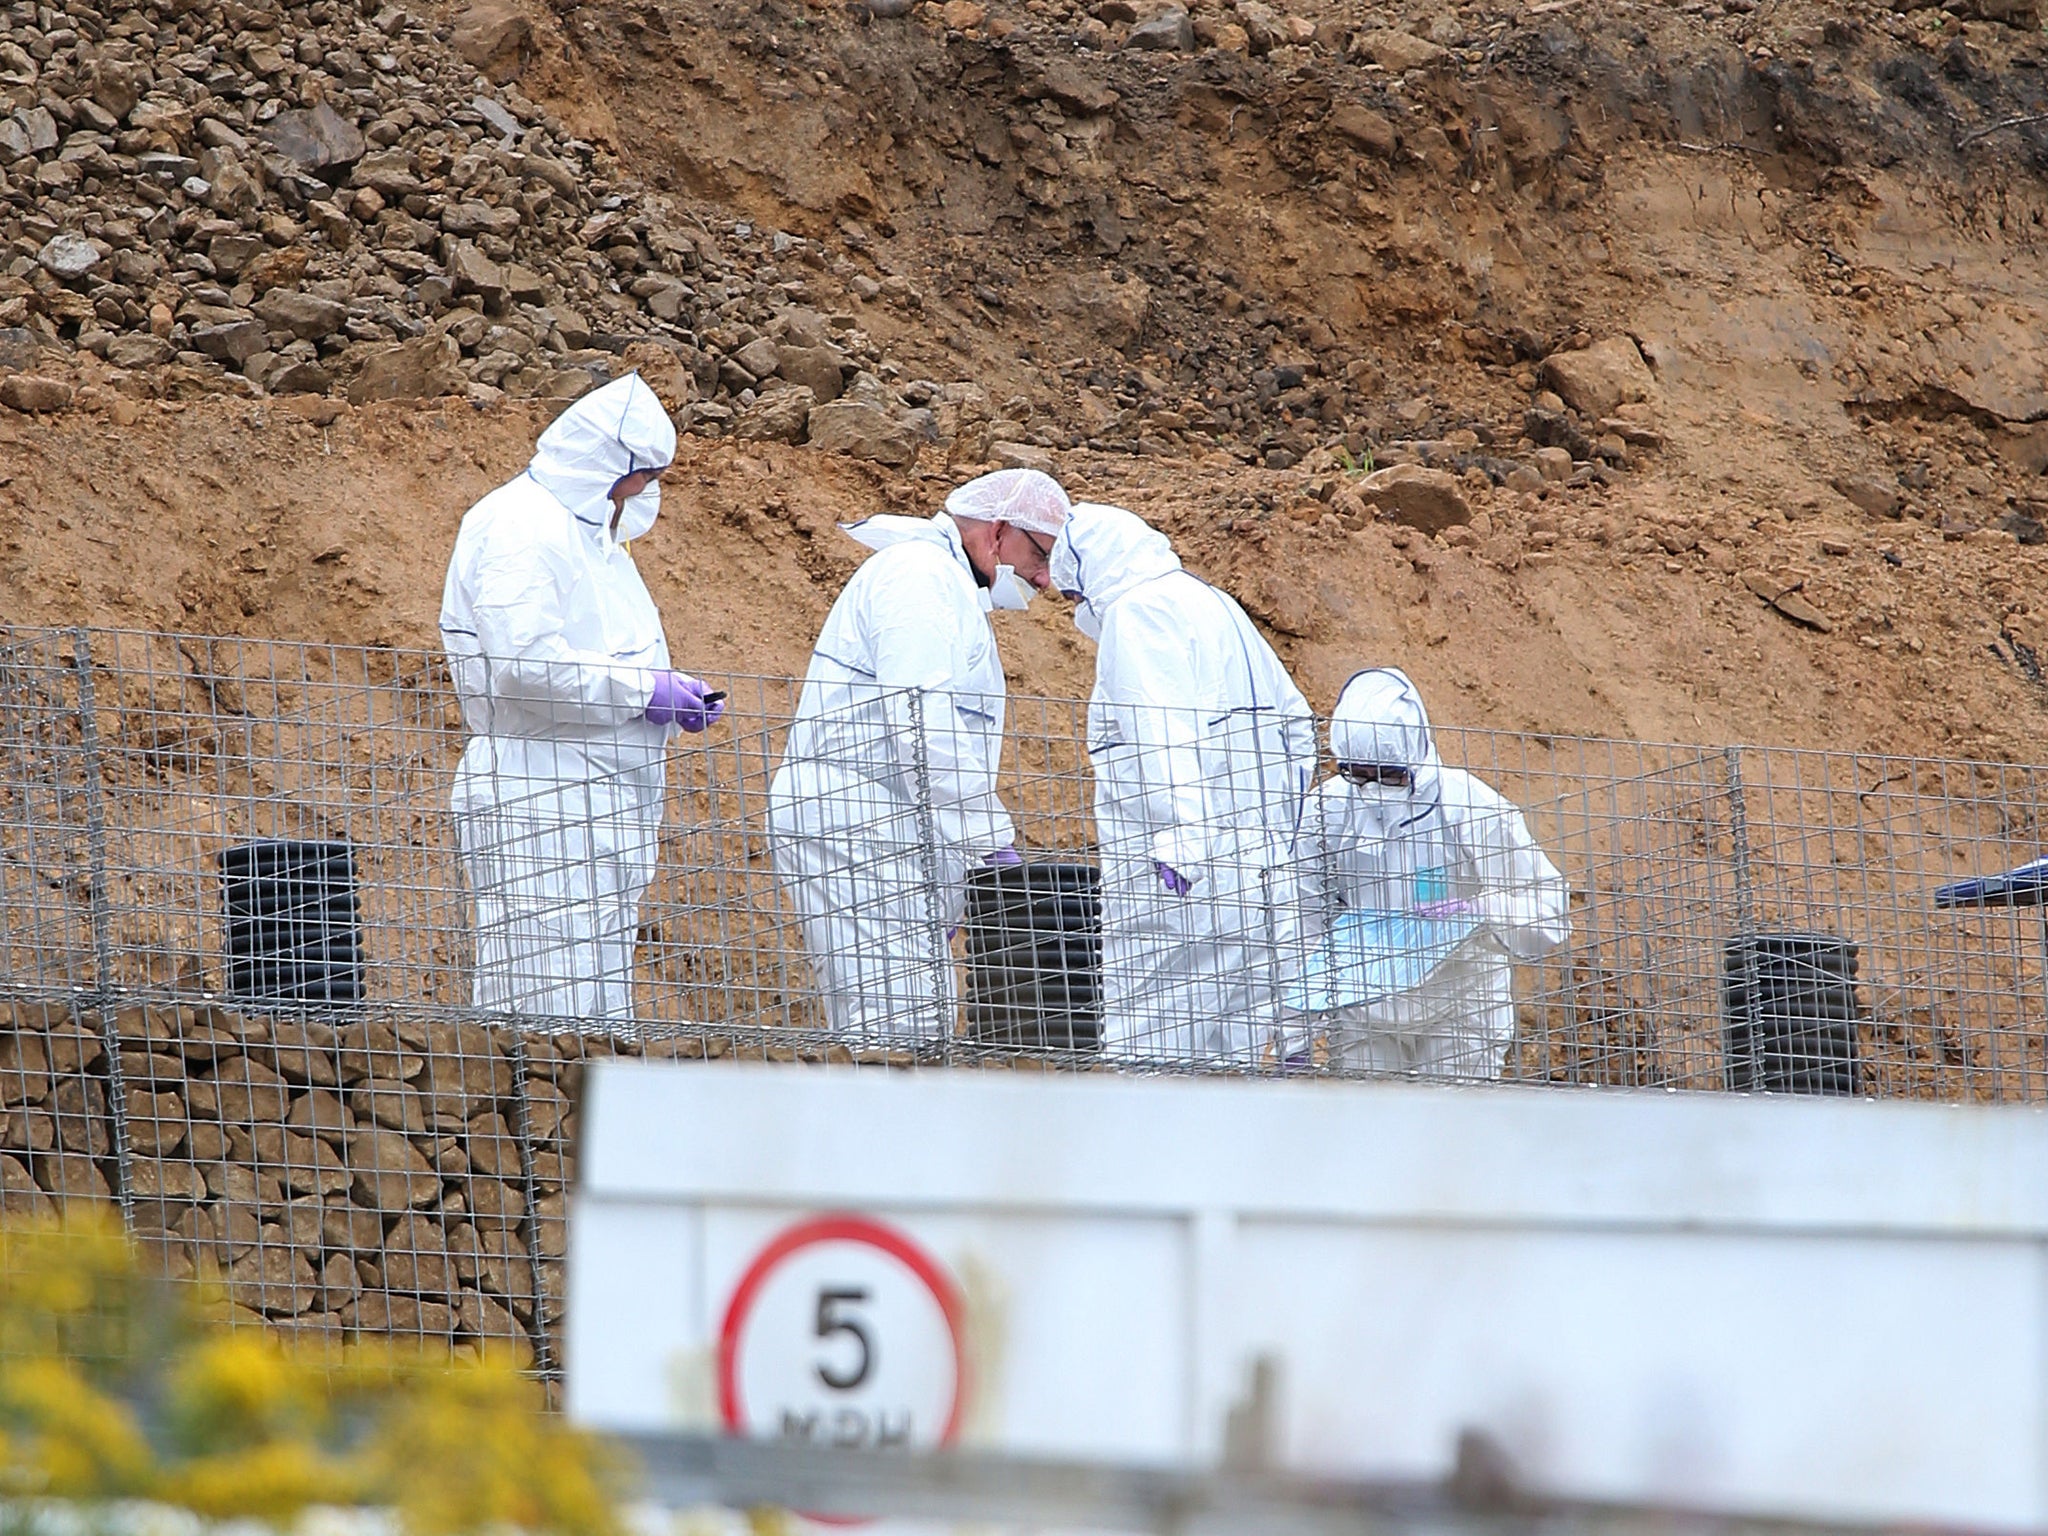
[(887, 791), (555, 645), (1203, 751), (1447, 836)]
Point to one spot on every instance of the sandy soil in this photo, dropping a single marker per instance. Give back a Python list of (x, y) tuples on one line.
[(1772, 204)]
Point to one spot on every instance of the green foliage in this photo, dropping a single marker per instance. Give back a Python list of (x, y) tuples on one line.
[(1354, 465), (117, 1385)]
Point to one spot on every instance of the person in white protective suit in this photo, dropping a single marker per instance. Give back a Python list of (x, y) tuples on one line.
[(887, 792), (563, 675), (1396, 831), (1203, 752)]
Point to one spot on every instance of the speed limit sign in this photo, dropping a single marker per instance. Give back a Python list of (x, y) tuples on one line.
[(843, 1332)]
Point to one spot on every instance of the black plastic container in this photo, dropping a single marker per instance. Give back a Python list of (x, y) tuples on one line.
[(293, 928), (1034, 956), (1789, 1012)]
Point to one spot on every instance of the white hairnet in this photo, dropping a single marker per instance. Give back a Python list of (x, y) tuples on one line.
[(1024, 498), (607, 435)]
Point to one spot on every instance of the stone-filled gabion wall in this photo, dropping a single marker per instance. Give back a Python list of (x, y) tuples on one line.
[(340, 1176)]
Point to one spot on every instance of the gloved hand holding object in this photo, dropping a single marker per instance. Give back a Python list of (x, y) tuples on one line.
[(680, 699), (1172, 878), (1003, 858), (1438, 911)]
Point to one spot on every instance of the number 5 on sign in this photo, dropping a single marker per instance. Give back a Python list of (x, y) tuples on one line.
[(843, 1332)]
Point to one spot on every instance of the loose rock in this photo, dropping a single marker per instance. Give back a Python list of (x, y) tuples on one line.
[(1170, 31), (319, 141), (1869, 494), (1598, 381), (495, 38), (1364, 129), (410, 370), (28, 392), (863, 432), (779, 416), (1396, 51), (68, 257), (1427, 499)]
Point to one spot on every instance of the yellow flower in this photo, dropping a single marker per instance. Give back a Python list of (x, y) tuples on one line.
[(240, 1388), (470, 1447), (245, 1427), (64, 1437), (267, 1482)]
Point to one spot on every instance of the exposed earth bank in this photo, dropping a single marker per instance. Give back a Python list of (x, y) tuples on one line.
[(1671, 372)]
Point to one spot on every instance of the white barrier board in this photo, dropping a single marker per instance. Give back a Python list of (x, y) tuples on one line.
[(1827, 1309)]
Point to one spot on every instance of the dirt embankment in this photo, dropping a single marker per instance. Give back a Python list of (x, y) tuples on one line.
[(1712, 335)]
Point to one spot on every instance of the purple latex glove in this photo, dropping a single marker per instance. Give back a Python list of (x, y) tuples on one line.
[(1172, 878), (1456, 906), (1003, 858), (679, 700)]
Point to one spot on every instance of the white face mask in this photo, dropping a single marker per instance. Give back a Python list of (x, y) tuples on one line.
[(638, 513), (1009, 591), (1380, 794)]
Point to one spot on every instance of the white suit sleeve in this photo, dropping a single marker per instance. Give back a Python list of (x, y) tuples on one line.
[(520, 618), (918, 644), (1147, 676), (1522, 896)]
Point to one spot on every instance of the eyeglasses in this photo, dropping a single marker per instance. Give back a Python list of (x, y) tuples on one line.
[(1044, 551), (1391, 774)]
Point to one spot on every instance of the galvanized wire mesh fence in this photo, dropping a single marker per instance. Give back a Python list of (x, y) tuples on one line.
[(255, 998)]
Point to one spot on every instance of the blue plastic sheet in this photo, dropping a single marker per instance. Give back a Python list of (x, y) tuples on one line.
[(1370, 955)]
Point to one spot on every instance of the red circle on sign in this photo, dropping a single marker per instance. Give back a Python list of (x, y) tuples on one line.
[(841, 1229)]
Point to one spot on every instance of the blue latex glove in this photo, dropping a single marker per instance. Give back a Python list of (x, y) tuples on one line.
[(1172, 878), (1456, 906), (1003, 858), (679, 700)]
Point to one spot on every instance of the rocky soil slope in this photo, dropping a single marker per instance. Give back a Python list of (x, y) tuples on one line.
[(1669, 370)]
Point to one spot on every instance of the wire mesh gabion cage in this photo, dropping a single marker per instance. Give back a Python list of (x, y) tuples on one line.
[(239, 952)]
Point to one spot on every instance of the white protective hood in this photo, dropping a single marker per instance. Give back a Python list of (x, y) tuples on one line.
[(1101, 554), (886, 529), (1380, 719), (610, 433)]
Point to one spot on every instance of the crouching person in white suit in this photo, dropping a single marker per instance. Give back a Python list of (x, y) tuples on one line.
[(1401, 833)]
